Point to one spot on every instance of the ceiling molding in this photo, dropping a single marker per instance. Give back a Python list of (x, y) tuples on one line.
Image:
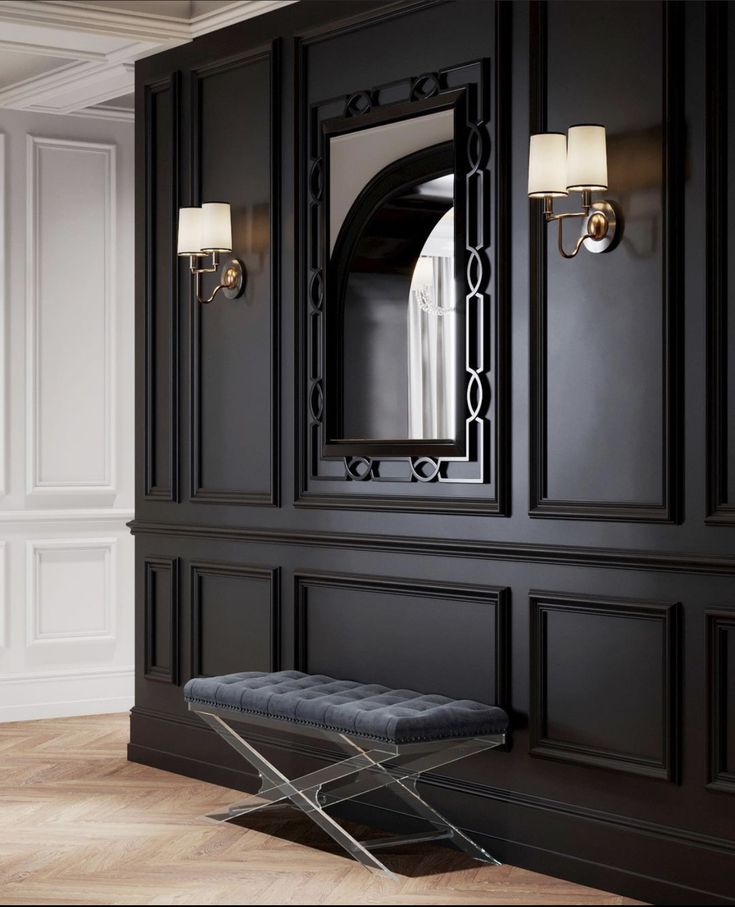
[(86, 17), (79, 77), (42, 50), (115, 114), (234, 12), (101, 45)]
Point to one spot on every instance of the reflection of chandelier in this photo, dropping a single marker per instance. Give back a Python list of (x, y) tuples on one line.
[(425, 301)]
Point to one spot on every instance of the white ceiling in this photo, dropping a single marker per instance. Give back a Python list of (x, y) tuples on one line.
[(77, 56)]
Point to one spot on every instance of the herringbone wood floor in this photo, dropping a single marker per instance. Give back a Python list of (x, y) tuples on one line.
[(81, 825)]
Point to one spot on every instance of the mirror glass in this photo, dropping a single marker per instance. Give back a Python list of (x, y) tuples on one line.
[(393, 291)]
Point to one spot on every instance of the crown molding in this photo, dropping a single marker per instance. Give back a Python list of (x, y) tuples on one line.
[(238, 11), (43, 50), (91, 76), (113, 114), (74, 16), (80, 77)]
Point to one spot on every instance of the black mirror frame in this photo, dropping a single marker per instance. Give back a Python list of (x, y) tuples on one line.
[(331, 342)]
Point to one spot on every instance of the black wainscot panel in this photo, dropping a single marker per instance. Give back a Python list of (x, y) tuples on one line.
[(161, 619), (234, 618), (603, 683), (404, 634)]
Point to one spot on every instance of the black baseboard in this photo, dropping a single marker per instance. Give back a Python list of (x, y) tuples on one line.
[(602, 853)]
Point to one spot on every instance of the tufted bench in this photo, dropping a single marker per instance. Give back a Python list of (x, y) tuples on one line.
[(393, 736)]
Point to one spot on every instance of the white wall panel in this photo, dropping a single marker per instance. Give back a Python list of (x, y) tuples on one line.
[(70, 301), (66, 416), (3, 313), (71, 590)]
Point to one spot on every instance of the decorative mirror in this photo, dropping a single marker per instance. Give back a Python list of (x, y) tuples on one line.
[(394, 259)]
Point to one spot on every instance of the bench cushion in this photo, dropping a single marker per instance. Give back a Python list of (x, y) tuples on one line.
[(366, 710)]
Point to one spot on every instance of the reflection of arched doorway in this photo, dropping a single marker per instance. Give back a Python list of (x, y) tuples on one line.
[(372, 276), (432, 336)]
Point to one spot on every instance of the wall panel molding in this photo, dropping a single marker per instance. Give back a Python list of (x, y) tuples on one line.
[(495, 597), (622, 757), (162, 623), (58, 557), (721, 708), (270, 576), (666, 508), (579, 556), (720, 509), (46, 249), (477, 483), (200, 493), (161, 467)]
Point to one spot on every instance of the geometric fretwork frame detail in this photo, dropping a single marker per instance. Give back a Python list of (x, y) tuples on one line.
[(404, 482), (370, 766)]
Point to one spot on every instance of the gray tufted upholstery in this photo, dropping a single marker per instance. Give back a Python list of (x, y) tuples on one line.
[(366, 710)]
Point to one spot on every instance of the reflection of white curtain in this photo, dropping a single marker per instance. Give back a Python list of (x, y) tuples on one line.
[(432, 326)]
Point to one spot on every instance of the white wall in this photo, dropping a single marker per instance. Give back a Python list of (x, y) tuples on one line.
[(66, 416)]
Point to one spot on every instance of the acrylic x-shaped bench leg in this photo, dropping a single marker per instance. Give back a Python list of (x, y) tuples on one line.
[(307, 794), (401, 781), (307, 801)]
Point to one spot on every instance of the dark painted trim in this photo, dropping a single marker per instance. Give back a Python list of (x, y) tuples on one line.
[(667, 510), (271, 575), (720, 511), (152, 671), (151, 259), (622, 761), (499, 596), (198, 493), (603, 558), (719, 710), (495, 475)]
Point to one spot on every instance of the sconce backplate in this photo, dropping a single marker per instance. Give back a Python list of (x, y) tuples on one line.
[(232, 278), (591, 224)]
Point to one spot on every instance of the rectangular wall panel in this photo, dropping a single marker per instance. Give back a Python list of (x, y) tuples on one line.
[(721, 668), (71, 591), (431, 637), (71, 211), (603, 683), (161, 341), (235, 612), (234, 349), (161, 619), (605, 374)]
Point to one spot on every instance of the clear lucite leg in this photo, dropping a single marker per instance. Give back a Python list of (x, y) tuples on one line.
[(308, 803), (270, 793), (404, 787), (374, 768)]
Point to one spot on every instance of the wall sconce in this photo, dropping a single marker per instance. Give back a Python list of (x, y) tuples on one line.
[(558, 164), (208, 231)]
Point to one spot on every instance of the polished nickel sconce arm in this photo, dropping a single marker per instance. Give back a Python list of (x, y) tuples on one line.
[(232, 278), (599, 228)]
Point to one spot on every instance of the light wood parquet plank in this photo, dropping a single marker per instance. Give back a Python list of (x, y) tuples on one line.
[(81, 825)]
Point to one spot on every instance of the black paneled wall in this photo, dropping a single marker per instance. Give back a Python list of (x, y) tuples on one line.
[(579, 568)]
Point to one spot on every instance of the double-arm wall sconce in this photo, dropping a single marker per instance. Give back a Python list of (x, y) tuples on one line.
[(208, 231), (558, 165)]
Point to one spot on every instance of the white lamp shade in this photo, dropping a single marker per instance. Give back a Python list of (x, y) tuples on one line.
[(547, 165), (586, 157), (190, 229), (216, 227)]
